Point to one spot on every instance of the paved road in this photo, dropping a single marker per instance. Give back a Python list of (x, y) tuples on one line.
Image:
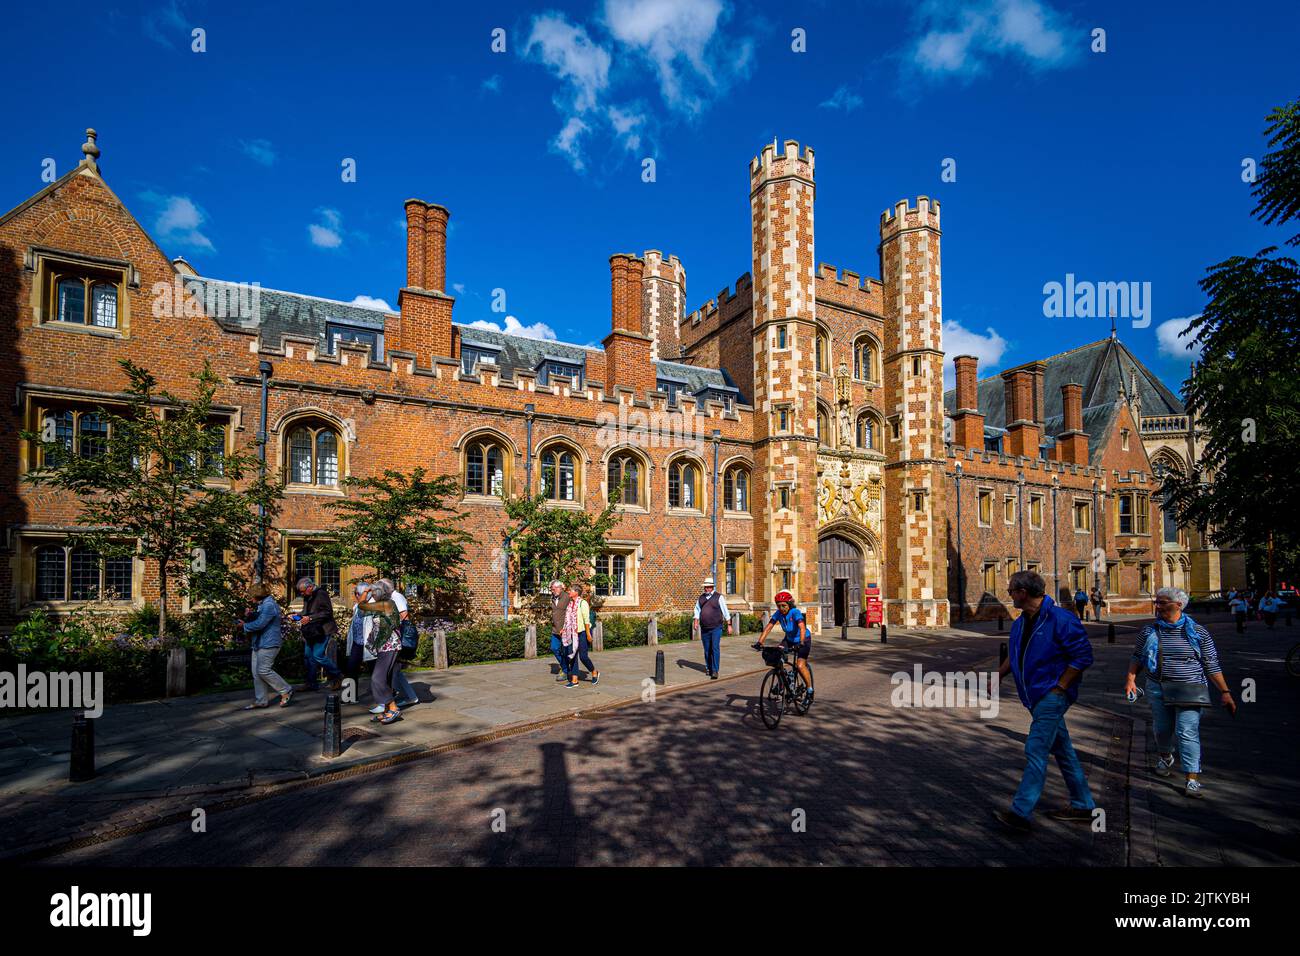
[(694, 778)]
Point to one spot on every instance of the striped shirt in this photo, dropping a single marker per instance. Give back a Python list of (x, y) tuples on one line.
[(1178, 662)]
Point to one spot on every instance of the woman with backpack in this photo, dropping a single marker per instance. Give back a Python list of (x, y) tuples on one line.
[(384, 640), (1181, 662)]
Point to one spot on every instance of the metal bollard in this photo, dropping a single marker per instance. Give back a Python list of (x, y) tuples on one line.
[(81, 766), (659, 668), (332, 741), (884, 633), (844, 631), (1110, 632), (1002, 652)]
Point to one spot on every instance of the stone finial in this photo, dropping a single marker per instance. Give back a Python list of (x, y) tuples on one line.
[(91, 150)]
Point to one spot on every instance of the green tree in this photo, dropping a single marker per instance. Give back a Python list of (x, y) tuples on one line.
[(164, 488), (403, 527), (1245, 389), (549, 543)]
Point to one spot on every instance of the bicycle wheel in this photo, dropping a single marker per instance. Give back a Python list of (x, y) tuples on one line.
[(771, 700), (800, 704), (1293, 661)]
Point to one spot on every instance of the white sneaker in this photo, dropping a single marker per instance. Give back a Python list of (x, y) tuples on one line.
[(377, 709), (1194, 789), (1164, 767)]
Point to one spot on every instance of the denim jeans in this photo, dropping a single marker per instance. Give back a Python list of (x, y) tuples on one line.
[(316, 657), (1047, 734), (264, 675), (711, 638), (584, 654), (1184, 723), (557, 651), (402, 685)]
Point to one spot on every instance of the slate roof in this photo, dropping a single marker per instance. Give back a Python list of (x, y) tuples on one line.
[(1100, 367), (289, 313)]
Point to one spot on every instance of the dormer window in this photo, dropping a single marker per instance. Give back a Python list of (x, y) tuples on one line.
[(471, 356), (336, 332), (728, 399), (549, 367)]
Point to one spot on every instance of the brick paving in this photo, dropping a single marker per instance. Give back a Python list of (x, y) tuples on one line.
[(694, 778)]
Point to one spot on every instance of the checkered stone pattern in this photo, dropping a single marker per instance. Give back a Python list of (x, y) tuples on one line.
[(915, 537), (784, 284), (663, 304)]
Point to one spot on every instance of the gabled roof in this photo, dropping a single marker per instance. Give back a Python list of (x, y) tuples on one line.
[(1100, 367)]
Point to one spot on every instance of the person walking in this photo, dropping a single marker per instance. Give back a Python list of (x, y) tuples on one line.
[(318, 630), (407, 695), (582, 617), (384, 640), (1098, 601), (559, 609), (1081, 604), (267, 634), (356, 653), (1047, 654), (1238, 606), (1269, 605), (711, 615), (1181, 662)]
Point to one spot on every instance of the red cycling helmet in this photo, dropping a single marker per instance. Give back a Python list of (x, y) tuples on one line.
[(785, 597)]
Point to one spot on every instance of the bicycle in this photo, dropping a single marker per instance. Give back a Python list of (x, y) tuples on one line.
[(783, 687), (1293, 661)]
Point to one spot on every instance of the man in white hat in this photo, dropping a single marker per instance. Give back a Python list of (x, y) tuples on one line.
[(711, 616)]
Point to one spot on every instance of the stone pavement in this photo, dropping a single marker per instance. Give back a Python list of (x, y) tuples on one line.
[(155, 756)]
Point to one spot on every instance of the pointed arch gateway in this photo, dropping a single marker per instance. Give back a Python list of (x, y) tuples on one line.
[(847, 561)]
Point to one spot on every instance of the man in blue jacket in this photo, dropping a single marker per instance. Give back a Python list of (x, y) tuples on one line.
[(1047, 654)]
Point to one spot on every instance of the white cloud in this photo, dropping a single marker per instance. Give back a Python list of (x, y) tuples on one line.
[(961, 38), (567, 142), (843, 99), (675, 35), (459, 287), (492, 84), (626, 125), (179, 221), (957, 340), (572, 55), (1167, 334), (165, 24), (259, 150), (370, 302), (538, 330), (328, 234)]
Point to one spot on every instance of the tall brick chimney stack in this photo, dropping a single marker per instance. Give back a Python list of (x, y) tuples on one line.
[(967, 420), (664, 295), (1072, 443), (627, 348), (1023, 433), (423, 326)]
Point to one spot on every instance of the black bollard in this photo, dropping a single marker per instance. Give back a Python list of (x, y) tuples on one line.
[(1110, 632), (332, 740), (659, 667), (884, 633), (844, 631), (1002, 652), (82, 764), (999, 623)]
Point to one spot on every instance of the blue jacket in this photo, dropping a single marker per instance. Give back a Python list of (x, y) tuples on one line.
[(1151, 642), (265, 628), (1058, 641)]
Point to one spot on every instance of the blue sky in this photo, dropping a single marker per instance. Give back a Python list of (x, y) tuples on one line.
[(1117, 166)]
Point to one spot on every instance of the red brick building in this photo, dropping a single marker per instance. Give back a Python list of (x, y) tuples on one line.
[(796, 420)]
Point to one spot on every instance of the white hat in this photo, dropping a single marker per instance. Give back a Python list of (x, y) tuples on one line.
[(708, 582)]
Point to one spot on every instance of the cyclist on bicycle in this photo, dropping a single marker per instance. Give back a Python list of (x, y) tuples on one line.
[(796, 636)]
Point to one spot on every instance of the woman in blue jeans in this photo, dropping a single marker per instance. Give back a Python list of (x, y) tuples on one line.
[(1180, 659)]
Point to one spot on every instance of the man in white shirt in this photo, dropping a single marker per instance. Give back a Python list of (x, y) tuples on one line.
[(711, 616)]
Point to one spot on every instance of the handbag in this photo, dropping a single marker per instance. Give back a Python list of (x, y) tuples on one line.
[(410, 640), (1181, 693)]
